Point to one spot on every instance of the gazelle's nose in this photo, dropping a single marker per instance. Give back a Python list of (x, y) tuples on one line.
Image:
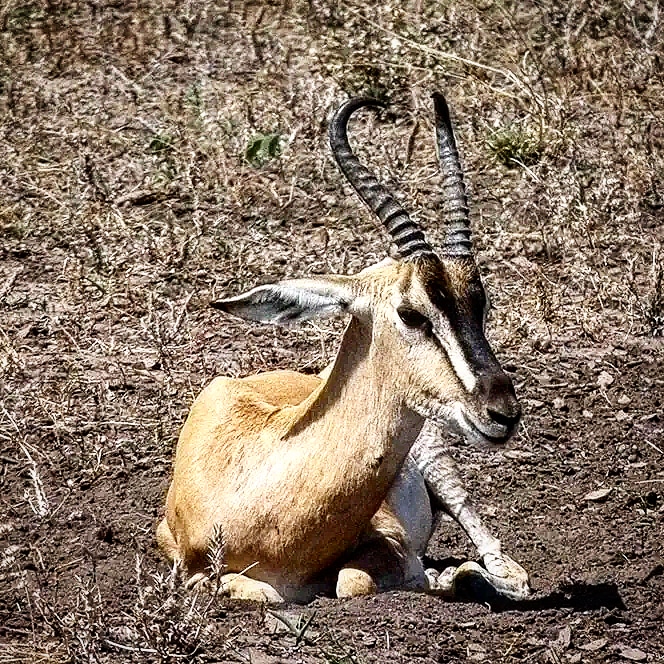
[(502, 407)]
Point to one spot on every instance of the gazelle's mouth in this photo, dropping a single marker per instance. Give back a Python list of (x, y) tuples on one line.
[(458, 420), (491, 434)]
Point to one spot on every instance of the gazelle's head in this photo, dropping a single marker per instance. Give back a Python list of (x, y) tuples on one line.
[(424, 314)]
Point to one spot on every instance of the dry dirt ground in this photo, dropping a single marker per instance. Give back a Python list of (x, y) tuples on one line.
[(154, 155)]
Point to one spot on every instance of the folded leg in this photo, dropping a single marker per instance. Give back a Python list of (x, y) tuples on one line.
[(443, 481), (236, 586), (383, 560)]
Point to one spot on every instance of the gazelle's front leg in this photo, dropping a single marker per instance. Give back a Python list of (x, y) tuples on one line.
[(443, 481)]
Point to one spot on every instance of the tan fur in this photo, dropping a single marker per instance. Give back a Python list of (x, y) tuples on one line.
[(294, 467)]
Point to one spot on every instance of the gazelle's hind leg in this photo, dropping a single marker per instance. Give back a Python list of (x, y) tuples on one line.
[(384, 560), (236, 586), (442, 478)]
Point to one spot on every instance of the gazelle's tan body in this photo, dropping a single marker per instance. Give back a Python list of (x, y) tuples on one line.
[(294, 470), (297, 554)]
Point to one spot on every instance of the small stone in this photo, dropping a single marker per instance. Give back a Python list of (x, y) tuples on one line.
[(476, 652), (6, 528), (320, 238), (598, 496), (634, 654), (597, 644), (604, 379), (518, 454), (123, 634), (588, 414), (621, 415), (564, 637), (623, 400), (559, 403)]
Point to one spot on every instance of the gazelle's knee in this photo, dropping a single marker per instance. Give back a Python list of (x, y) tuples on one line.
[(352, 582)]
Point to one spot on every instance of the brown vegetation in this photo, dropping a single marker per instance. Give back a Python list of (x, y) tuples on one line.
[(154, 155)]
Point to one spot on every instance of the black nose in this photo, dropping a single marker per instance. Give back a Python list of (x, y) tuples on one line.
[(502, 406)]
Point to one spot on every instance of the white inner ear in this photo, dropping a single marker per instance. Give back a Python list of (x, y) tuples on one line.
[(311, 303), (291, 301)]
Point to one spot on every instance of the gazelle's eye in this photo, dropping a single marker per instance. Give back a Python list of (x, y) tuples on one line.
[(414, 319)]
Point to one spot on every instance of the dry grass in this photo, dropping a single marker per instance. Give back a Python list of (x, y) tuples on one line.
[(129, 200)]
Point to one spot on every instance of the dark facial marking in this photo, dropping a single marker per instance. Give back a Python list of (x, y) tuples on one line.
[(454, 287)]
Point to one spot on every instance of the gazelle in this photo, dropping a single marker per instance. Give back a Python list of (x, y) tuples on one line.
[(309, 477)]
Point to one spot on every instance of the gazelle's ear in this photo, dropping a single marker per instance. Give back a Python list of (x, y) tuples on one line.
[(291, 301)]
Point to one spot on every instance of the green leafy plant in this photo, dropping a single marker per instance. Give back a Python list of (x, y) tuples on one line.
[(515, 146), (161, 143), (22, 17), (193, 97), (262, 148)]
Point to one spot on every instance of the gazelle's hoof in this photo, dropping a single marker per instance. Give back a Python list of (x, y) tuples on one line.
[(502, 577), (442, 583), (507, 577)]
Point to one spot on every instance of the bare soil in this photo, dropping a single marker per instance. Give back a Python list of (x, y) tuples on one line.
[(136, 184)]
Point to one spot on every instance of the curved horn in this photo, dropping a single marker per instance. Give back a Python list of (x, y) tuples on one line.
[(455, 211), (407, 236)]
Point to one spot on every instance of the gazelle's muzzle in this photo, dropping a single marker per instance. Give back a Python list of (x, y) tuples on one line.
[(498, 410)]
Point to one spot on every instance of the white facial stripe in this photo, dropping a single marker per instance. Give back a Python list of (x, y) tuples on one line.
[(460, 364)]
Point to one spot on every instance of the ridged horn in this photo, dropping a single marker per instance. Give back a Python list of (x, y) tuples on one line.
[(406, 235), (455, 211)]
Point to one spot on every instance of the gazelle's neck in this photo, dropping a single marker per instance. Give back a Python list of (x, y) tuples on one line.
[(357, 420), (351, 437)]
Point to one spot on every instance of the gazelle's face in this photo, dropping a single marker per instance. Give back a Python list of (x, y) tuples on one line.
[(429, 320)]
